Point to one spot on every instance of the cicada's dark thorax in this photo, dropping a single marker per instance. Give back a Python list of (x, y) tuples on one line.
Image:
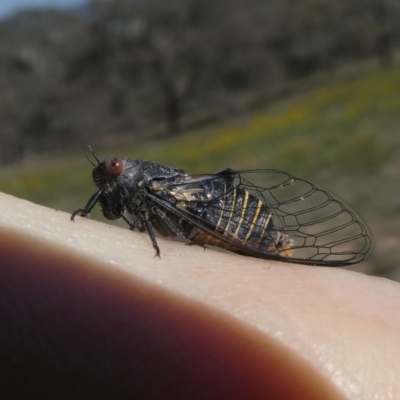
[(245, 221)]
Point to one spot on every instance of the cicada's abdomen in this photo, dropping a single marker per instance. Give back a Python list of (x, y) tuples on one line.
[(243, 220)]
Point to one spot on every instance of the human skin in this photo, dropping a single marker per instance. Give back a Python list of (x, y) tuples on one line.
[(87, 311)]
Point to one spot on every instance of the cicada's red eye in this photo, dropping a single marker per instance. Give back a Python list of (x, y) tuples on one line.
[(114, 166)]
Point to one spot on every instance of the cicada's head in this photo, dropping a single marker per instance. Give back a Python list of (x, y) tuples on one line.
[(108, 171), (108, 174), (117, 178)]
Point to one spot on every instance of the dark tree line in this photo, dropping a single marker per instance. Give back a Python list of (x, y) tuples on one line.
[(128, 67)]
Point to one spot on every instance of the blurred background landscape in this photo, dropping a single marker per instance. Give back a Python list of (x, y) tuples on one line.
[(311, 87)]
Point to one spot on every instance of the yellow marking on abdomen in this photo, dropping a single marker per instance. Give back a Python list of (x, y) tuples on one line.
[(246, 199), (231, 214), (221, 212), (253, 222)]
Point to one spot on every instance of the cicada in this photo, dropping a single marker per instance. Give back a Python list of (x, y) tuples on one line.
[(261, 213)]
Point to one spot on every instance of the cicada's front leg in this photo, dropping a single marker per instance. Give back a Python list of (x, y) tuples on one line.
[(83, 212)]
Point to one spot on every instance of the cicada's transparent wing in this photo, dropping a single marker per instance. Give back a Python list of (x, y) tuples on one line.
[(322, 228), (269, 214)]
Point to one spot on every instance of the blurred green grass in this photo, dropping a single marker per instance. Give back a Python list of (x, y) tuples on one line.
[(344, 135)]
